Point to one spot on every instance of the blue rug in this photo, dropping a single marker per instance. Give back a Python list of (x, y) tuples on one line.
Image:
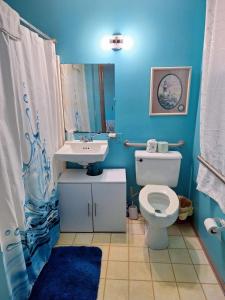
[(72, 273)]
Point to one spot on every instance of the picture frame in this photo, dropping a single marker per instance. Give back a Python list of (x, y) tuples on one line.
[(169, 90)]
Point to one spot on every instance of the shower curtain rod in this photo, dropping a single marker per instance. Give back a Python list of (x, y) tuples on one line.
[(35, 29)]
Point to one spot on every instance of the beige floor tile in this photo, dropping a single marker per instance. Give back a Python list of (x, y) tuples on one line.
[(138, 254), (117, 270), (116, 290), (140, 290), (119, 239), (101, 287), (176, 242), (66, 239), (105, 251), (83, 239), (137, 228), (118, 253), (139, 271), (205, 274), (191, 291), (103, 269), (180, 256), (187, 230), (137, 240), (192, 243), (161, 256), (198, 257), (213, 291), (185, 273), (101, 238), (174, 230), (162, 272), (165, 291)]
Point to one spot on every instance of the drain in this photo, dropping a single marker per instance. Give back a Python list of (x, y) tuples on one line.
[(158, 211)]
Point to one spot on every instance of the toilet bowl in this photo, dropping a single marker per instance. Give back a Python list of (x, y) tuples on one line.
[(159, 206)]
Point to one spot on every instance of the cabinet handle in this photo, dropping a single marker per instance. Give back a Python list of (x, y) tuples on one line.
[(88, 209), (95, 209)]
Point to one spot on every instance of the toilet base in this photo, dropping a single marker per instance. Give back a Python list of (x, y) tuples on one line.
[(156, 238)]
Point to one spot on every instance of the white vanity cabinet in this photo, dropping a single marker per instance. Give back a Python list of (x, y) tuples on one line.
[(75, 207), (92, 203)]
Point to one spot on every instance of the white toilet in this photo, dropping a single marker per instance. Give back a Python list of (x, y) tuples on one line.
[(159, 204)]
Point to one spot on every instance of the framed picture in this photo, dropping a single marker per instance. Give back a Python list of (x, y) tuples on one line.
[(169, 91)]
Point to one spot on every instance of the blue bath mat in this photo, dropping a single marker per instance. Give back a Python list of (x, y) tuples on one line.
[(72, 273)]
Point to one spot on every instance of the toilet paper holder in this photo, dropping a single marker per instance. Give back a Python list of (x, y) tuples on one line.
[(215, 226), (220, 228)]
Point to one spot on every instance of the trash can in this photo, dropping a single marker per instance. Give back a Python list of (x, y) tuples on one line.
[(185, 208)]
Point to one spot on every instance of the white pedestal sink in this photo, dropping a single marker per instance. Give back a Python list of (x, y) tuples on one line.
[(82, 152)]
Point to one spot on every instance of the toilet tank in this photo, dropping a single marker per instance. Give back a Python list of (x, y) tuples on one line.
[(157, 168)]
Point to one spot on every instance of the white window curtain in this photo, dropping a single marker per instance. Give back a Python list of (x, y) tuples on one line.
[(31, 131), (212, 109)]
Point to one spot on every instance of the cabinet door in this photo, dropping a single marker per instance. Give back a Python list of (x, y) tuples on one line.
[(109, 206), (75, 205)]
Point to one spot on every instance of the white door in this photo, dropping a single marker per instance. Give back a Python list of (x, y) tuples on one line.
[(75, 204), (109, 207)]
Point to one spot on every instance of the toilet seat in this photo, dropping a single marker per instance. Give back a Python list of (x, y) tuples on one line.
[(158, 200)]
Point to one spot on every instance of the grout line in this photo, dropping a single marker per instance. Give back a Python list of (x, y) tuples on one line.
[(107, 260), (150, 266), (74, 238), (128, 273), (203, 291), (104, 287), (175, 279), (92, 238)]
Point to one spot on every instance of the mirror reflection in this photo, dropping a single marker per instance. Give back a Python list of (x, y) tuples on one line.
[(88, 97)]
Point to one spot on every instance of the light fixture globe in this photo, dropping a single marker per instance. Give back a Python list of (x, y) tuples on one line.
[(116, 42)]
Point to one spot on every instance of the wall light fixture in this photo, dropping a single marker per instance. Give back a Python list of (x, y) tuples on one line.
[(116, 42)]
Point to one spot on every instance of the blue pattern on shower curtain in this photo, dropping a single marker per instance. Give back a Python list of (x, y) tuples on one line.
[(41, 215)]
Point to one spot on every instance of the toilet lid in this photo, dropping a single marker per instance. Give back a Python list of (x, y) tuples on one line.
[(159, 200)]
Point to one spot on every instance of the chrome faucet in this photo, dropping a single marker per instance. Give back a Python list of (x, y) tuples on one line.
[(85, 139), (89, 138)]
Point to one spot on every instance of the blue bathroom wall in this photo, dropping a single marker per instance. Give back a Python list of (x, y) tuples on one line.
[(205, 207), (165, 33)]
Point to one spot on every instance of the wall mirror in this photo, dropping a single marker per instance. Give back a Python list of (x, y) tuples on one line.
[(88, 92)]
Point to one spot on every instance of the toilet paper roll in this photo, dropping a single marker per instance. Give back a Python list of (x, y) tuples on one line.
[(163, 147), (151, 146), (211, 226)]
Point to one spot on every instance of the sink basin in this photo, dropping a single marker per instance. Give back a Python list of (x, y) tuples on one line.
[(82, 152)]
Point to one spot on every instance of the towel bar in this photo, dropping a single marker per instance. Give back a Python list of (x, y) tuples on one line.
[(142, 145), (211, 168)]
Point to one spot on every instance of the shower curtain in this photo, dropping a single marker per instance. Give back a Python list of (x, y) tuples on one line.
[(75, 100), (212, 109), (31, 130)]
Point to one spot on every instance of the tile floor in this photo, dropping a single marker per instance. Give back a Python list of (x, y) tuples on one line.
[(131, 271)]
